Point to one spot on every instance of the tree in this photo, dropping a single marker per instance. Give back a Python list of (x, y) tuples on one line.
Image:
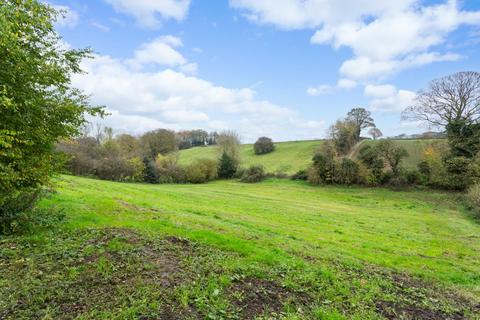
[(227, 167), (375, 133), (160, 141), (263, 145), (38, 106), (343, 134), (229, 147), (449, 99), (362, 120), (392, 154)]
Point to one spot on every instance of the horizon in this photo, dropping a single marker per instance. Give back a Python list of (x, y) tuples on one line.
[(286, 70)]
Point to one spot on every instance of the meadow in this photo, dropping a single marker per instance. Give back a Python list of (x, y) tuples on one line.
[(278, 249), (290, 157)]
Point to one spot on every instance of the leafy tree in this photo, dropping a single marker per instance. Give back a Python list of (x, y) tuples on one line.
[(463, 138), (375, 133), (362, 119), (229, 147), (372, 159), (160, 141), (263, 145), (344, 136), (38, 106), (392, 154)]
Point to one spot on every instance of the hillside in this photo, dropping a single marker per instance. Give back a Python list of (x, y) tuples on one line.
[(277, 249), (290, 157)]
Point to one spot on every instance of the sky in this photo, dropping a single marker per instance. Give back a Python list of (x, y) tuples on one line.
[(286, 69)]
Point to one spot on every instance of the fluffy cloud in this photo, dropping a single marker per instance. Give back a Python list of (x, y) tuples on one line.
[(385, 36), (149, 13), (141, 100), (160, 51), (68, 17), (388, 98)]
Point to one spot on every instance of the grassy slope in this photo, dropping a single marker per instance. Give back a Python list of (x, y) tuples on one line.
[(330, 244), (289, 157)]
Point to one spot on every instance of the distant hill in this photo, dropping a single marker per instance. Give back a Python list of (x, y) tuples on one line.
[(290, 157)]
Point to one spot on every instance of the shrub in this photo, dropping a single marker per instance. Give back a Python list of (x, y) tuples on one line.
[(371, 158), (254, 173), (201, 171), (347, 172), (392, 154), (150, 173), (227, 166), (168, 170), (473, 199), (13, 209), (300, 175), (458, 175), (323, 168), (263, 145)]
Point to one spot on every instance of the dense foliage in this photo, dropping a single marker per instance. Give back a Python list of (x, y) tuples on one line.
[(253, 174), (37, 103), (263, 145)]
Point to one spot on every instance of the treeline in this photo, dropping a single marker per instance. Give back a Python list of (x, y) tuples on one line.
[(452, 166), (153, 157)]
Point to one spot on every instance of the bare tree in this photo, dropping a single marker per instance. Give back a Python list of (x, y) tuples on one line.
[(375, 133), (447, 100), (229, 142)]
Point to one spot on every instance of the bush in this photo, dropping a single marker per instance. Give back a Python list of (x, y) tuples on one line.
[(227, 166), (473, 199), (372, 159), (347, 172), (300, 175), (253, 174), (263, 145), (458, 175), (14, 208), (168, 170), (150, 173), (201, 171), (323, 168)]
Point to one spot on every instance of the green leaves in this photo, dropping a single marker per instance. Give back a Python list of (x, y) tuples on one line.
[(37, 103)]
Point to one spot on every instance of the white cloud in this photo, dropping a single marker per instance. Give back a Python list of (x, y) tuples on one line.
[(388, 98), (142, 100), (189, 68), (384, 36), (149, 13), (346, 83), (67, 18), (159, 51)]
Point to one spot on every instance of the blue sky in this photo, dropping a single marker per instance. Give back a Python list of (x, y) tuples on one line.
[(282, 68)]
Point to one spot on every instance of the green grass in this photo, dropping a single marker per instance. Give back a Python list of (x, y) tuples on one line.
[(277, 249), (290, 157)]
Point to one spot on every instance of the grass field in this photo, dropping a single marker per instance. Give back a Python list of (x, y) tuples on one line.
[(290, 157), (227, 250)]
